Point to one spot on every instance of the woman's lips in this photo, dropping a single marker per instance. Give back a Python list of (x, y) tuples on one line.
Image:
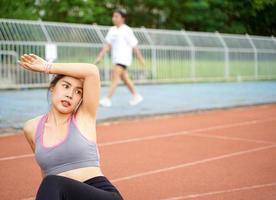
[(65, 103)]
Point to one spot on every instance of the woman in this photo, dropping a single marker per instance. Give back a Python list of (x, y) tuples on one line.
[(64, 139), (121, 40)]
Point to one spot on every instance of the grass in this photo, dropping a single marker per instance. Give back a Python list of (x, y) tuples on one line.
[(182, 69), (206, 66)]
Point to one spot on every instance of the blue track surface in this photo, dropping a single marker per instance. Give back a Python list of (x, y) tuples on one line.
[(18, 106)]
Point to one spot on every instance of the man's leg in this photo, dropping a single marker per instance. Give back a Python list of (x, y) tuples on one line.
[(116, 74), (128, 82), (137, 98)]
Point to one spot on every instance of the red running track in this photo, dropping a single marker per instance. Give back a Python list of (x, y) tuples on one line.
[(224, 154)]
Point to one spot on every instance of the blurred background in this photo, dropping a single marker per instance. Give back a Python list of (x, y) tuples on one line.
[(200, 54), (253, 17)]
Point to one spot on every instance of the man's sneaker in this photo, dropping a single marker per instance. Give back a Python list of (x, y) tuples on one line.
[(105, 102), (136, 99)]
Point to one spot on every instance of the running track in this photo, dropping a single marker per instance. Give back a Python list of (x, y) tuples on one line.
[(224, 154)]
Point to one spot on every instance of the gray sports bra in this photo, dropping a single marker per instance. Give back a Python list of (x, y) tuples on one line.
[(74, 152)]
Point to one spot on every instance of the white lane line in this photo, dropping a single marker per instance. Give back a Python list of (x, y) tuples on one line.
[(192, 196), (4, 135), (188, 132), (232, 138), (30, 198), (189, 113), (193, 163), (17, 157)]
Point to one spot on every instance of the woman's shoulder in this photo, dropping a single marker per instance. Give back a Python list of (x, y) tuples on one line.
[(29, 127), (29, 130)]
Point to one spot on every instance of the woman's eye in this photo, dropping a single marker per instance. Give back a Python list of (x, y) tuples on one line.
[(65, 86), (79, 92)]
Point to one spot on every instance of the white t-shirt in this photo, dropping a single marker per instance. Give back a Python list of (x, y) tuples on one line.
[(122, 41)]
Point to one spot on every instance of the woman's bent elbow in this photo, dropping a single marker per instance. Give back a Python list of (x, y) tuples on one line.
[(92, 70)]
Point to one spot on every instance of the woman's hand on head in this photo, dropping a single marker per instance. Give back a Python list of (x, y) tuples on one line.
[(33, 62)]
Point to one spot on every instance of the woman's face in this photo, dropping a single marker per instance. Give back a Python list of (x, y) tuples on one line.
[(67, 94), (117, 19)]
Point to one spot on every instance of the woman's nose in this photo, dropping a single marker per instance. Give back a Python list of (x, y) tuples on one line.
[(70, 94)]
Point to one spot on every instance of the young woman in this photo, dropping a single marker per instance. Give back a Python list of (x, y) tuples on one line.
[(64, 139), (121, 40)]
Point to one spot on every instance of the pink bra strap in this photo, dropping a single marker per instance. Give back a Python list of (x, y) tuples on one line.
[(42, 121), (39, 126)]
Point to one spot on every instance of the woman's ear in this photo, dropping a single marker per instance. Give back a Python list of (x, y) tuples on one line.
[(78, 105)]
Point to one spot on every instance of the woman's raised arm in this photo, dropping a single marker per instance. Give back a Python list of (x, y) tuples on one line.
[(88, 72)]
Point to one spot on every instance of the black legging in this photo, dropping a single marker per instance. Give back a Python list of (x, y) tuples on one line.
[(55, 187)]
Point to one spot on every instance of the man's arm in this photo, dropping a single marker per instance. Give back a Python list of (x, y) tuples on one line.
[(139, 56), (100, 56)]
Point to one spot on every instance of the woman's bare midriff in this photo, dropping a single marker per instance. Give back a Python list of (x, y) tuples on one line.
[(82, 174)]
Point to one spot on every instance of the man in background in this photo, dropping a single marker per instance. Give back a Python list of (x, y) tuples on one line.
[(121, 40)]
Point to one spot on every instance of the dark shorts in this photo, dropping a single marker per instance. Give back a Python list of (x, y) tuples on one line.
[(121, 65), (63, 188)]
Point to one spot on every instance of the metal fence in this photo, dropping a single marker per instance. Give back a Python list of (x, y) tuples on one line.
[(171, 56)]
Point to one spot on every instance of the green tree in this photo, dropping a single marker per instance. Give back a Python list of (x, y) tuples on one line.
[(18, 9), (231, 16)]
